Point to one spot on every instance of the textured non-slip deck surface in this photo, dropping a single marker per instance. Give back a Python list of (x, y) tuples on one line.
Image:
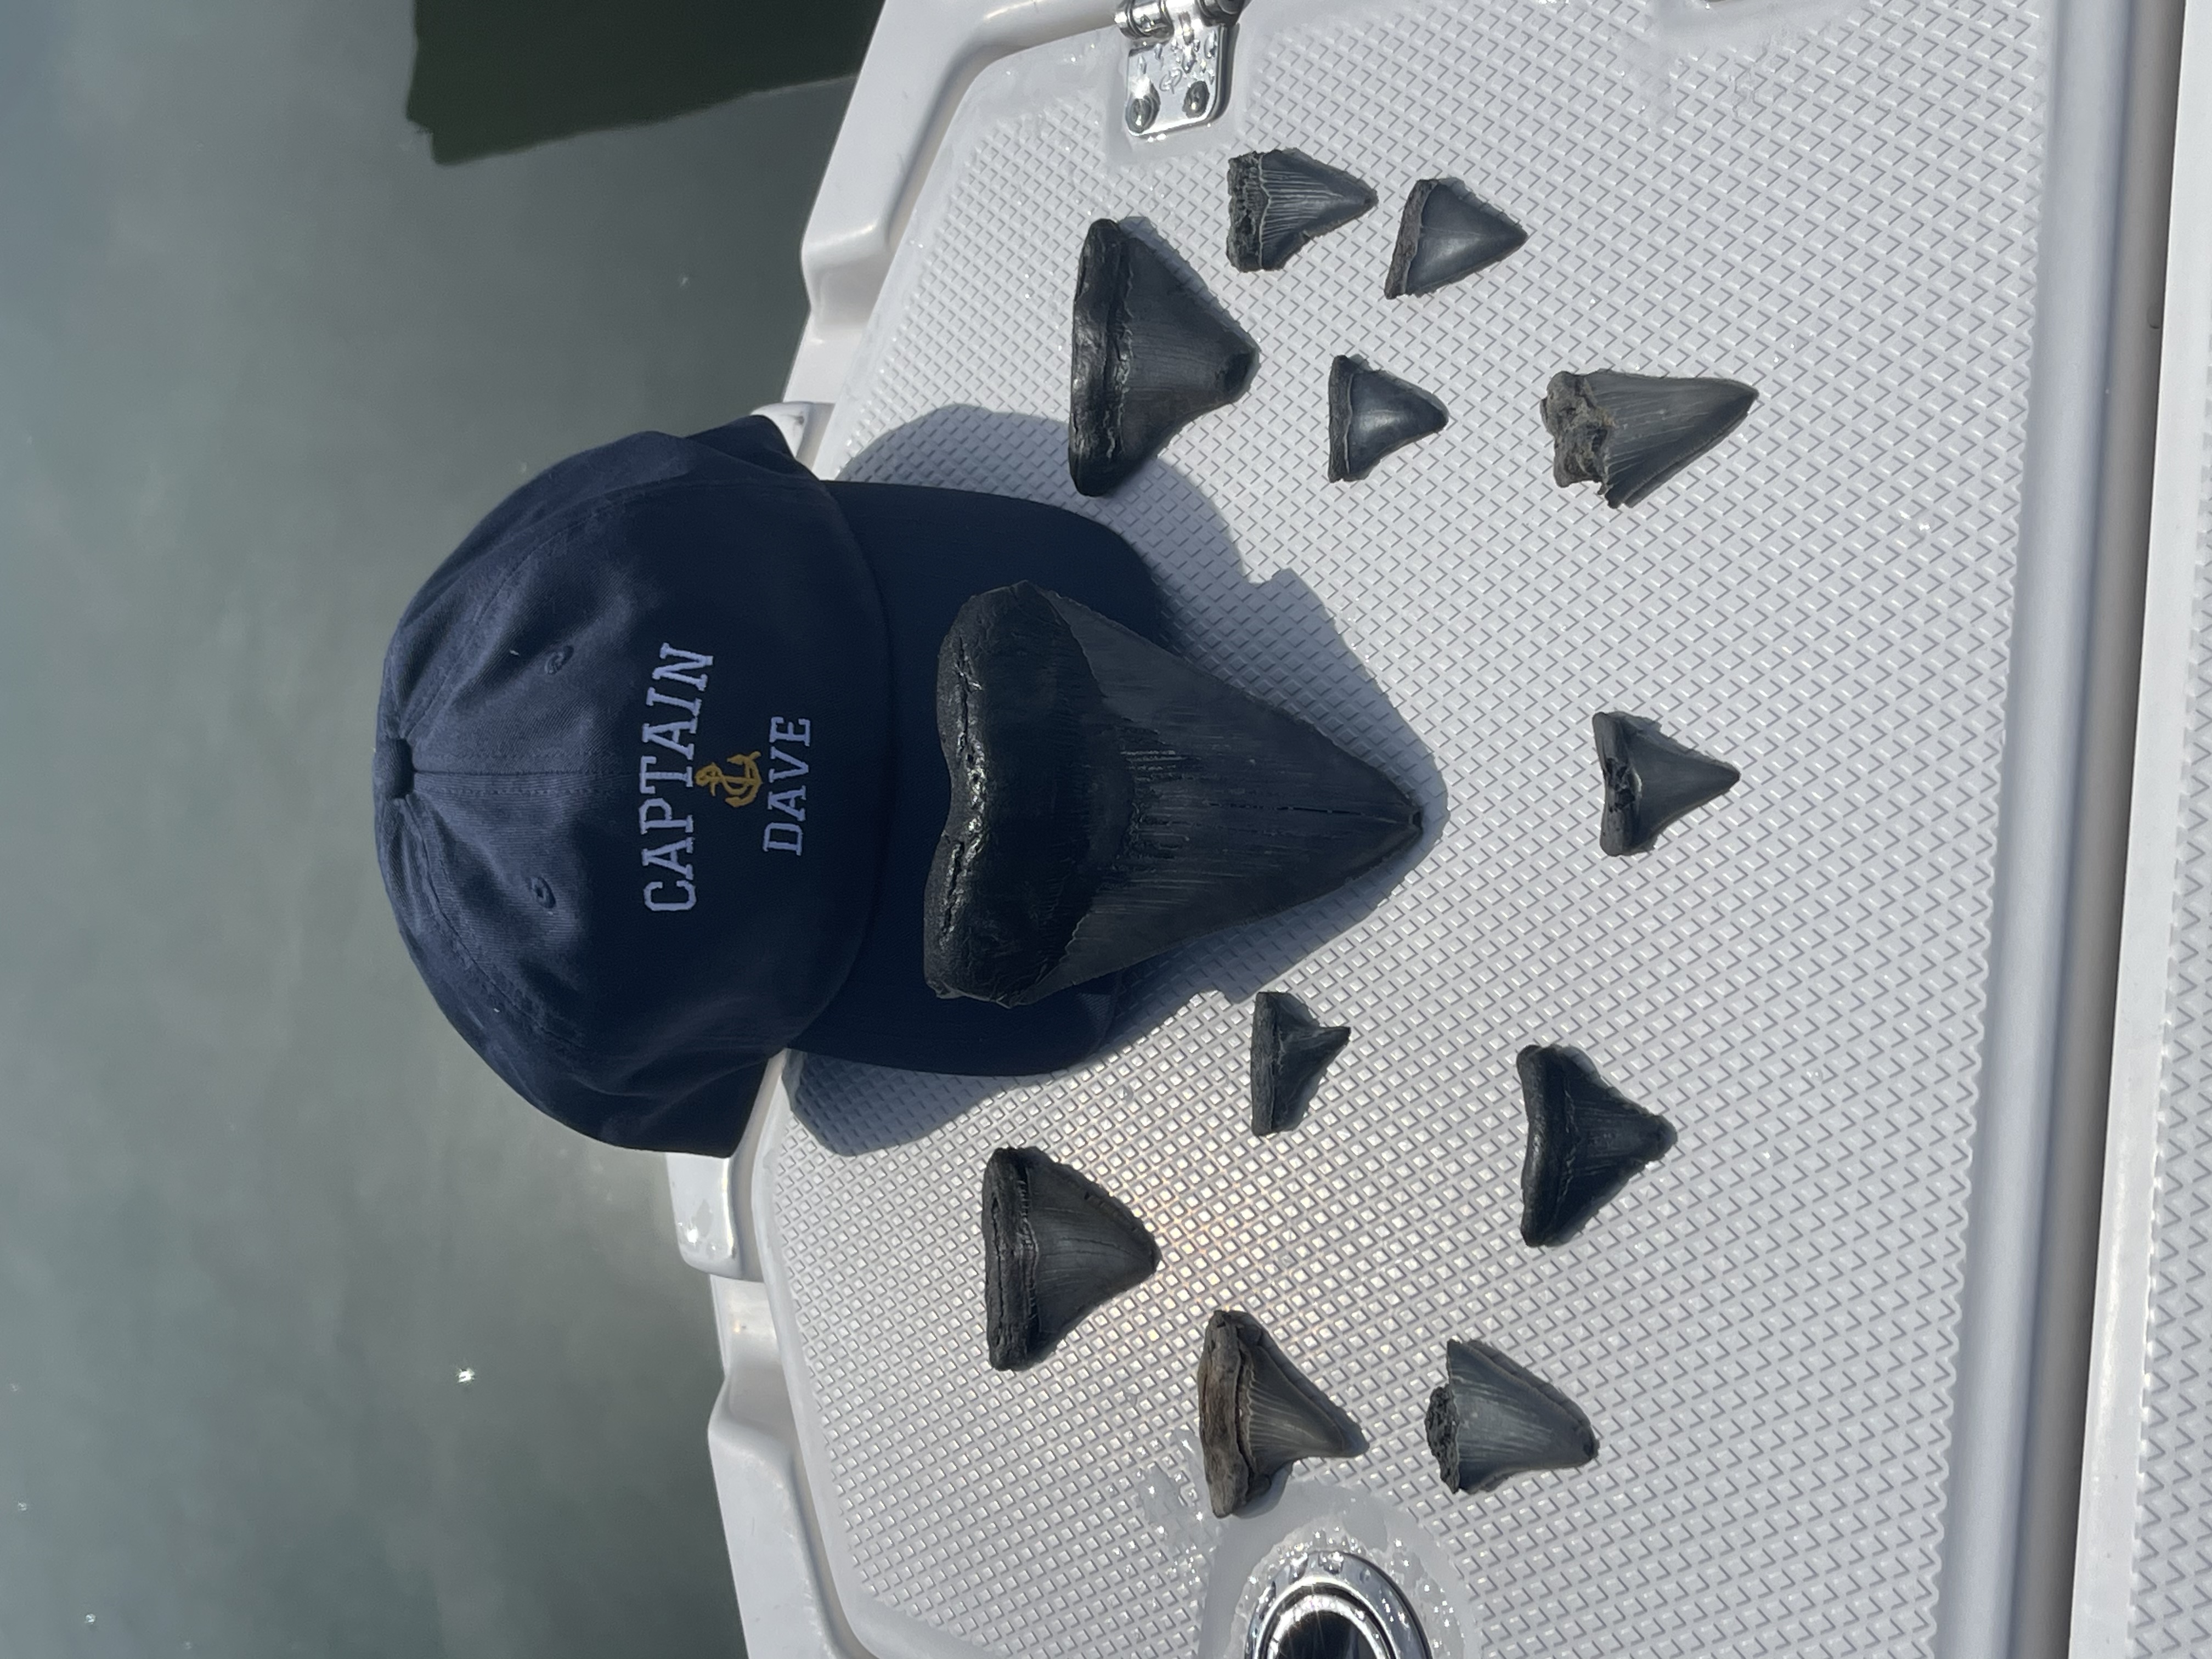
[(1762, 1328)]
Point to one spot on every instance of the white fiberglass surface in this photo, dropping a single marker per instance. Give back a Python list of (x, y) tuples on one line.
[(1838, 204)]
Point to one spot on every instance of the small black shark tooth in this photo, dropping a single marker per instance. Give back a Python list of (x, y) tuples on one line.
[(1492, 1420), (1629, 433), (1055, 1246), (1650, 780), (1290, 1051), (1281, 200), (1372, 413), (1257, 1414), (1151, 355), (1110, 801), (1446, 233), (1585, 1141)]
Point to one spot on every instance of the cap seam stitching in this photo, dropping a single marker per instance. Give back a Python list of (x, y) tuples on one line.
[(439, 909), (565, 527)]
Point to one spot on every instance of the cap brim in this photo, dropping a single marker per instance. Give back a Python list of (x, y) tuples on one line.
[(932, 551)]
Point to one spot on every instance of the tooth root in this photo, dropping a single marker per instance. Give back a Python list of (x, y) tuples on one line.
[(1585, 1142), (1446, 233), (1650, 780), (1110, 801), (1631, 433), (1290, 1051), (1257, 1412), (1372, 413), (1055, 1246), (1151, 354), (1492, 1420), (1281, 200)]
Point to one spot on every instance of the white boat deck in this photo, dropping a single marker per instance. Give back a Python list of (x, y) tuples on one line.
[(1804, 1338), (2143, 1576)]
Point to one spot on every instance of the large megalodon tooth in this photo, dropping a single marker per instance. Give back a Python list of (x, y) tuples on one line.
[(1585, 1141), (1447, 232), (1629, 433), (1372, 413), (1493, 1419), (1109, 800), (1055, 1246), (1290, 1051), (1151, 354), (1281, 200), (1650, 780), (1257, 1414)]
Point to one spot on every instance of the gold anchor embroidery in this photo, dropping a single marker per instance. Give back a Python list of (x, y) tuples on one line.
[(741, 785)]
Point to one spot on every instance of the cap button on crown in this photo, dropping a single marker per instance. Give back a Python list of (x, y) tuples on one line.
[(395, 769)]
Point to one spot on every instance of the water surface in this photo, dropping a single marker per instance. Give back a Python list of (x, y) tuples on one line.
[(313, 1338)]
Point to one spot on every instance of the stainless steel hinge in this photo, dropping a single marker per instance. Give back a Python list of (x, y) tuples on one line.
[(1178, 69)]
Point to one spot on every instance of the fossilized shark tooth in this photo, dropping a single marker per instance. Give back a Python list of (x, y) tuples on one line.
[(1257, 1414), (1372, 413), (1109, 800), (1151, 354), (1650, 780), (1631, 433), (1493, 1419), (1281, 200), (1290, 1051), (1447, 232), (1055, 1246), (1585, 1141)]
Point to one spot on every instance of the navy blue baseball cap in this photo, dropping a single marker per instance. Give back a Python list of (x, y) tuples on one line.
[(658, 779)]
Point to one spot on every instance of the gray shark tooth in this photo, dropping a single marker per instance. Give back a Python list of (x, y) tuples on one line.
[(1650, 780), (1371, 414), (1492, 1420), (1281, 200), (1055, 1246), (1257, 1414), (1446, 233), (1585, 1141), (1109, 800), (1290, 1051), (1631, 433), (1151, 355)]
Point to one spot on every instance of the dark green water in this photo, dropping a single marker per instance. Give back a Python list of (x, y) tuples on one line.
[(498, 75), (263, 360)]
